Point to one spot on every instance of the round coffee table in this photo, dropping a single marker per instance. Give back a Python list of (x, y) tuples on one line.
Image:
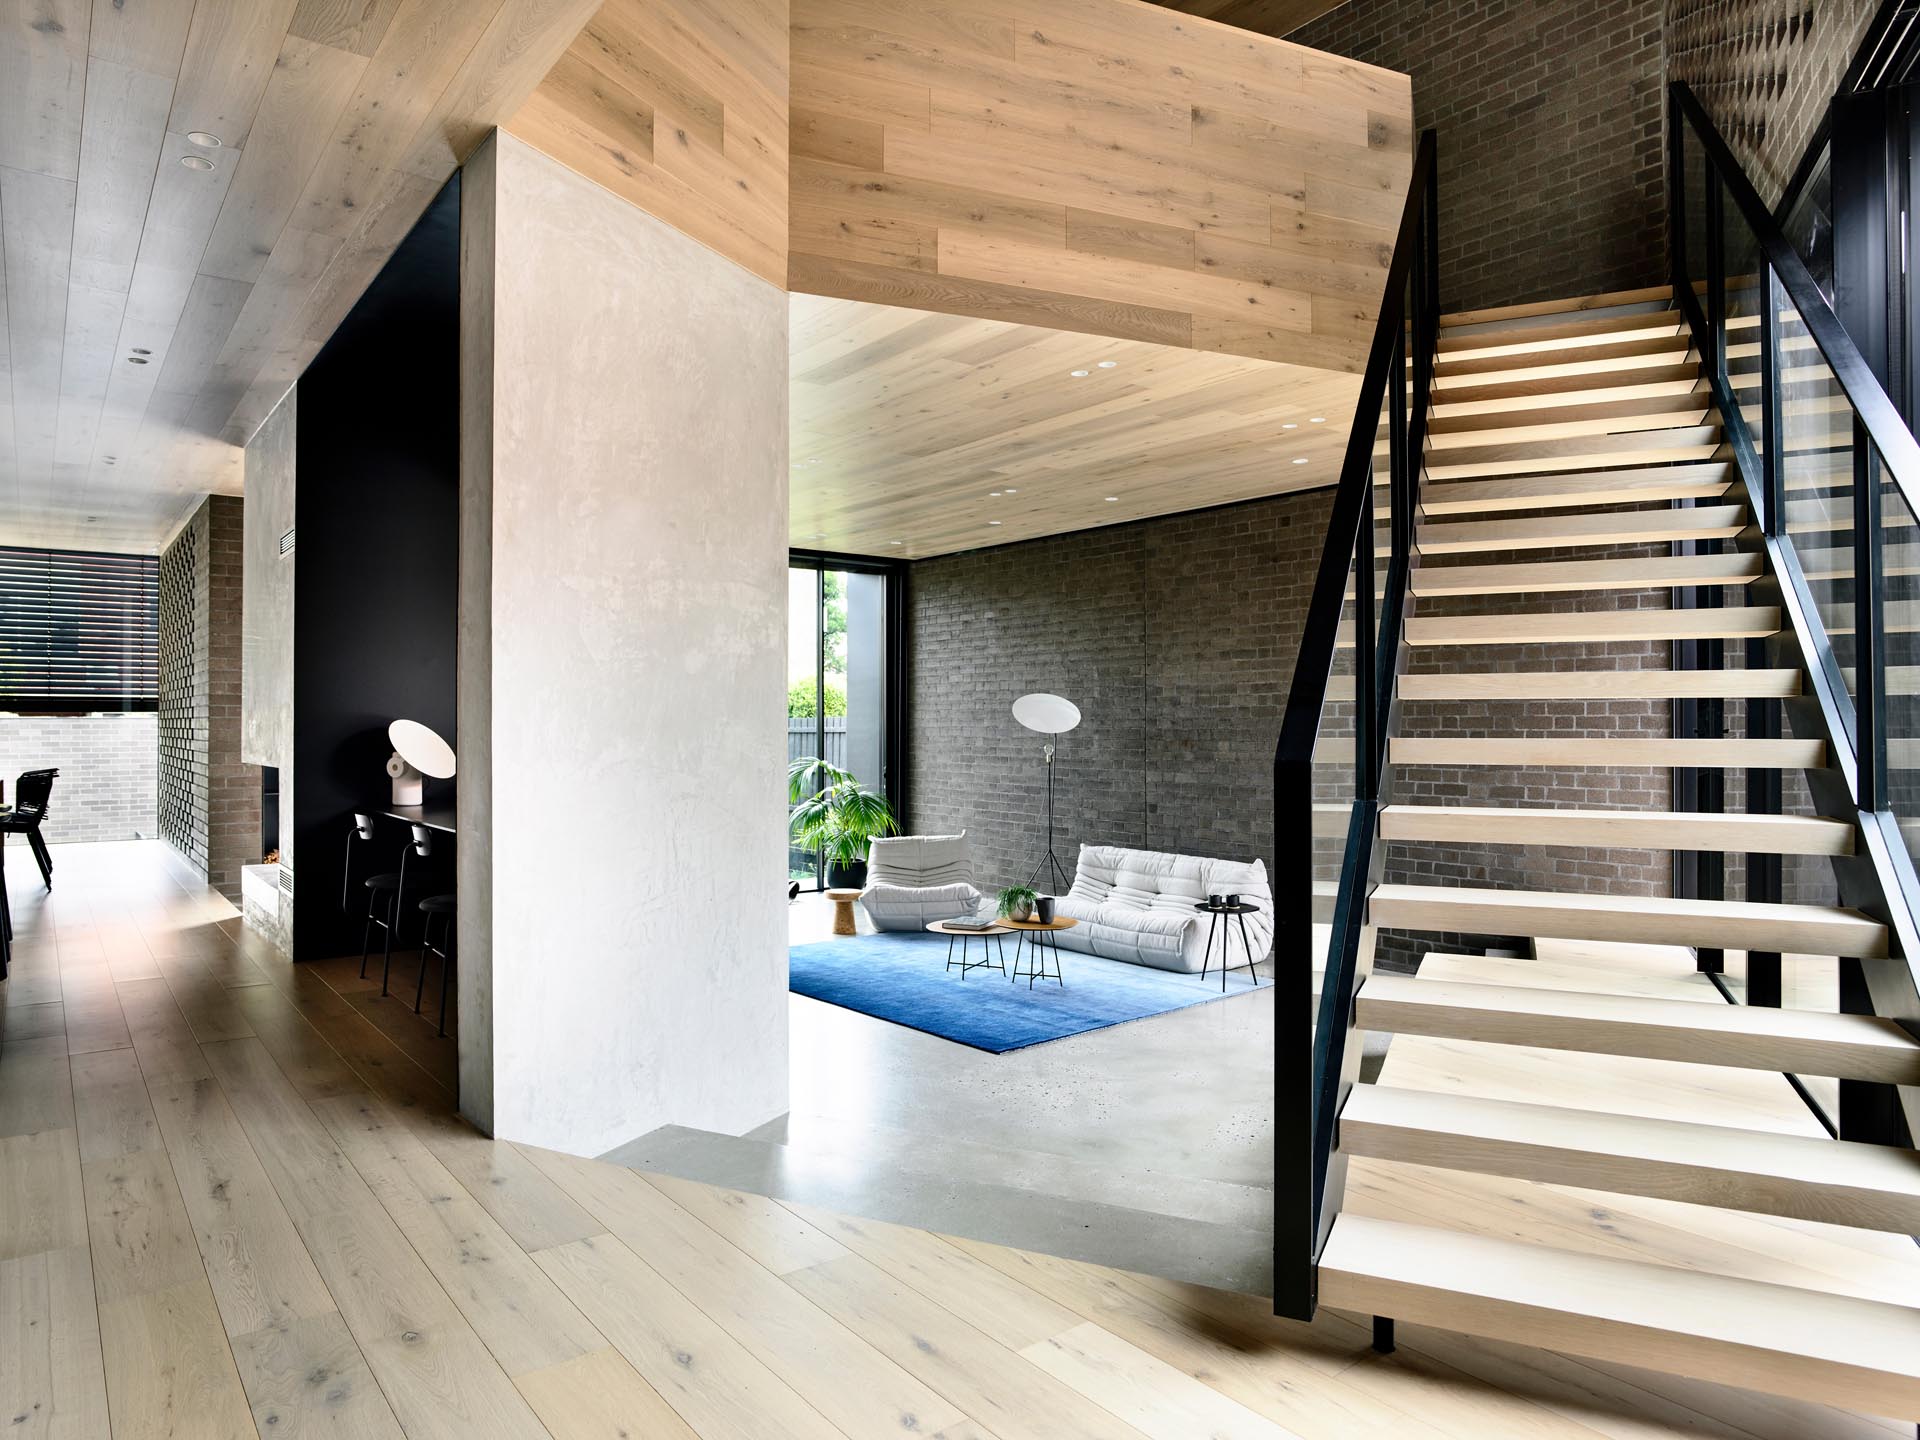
[(1037, 938), (843, 910), (963, 935), (1223, 916)]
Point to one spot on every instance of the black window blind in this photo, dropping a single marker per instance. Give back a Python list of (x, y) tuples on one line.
[(78, 630)]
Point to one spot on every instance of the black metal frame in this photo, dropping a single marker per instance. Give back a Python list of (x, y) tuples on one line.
[(1879, 879), (893, 668), (1314, 1066)]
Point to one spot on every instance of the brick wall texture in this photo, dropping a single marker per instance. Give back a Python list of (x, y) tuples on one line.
[(1176, 639), (106, 764), (1551, 118), (209, 800), (1765, 70), (1550, 121)]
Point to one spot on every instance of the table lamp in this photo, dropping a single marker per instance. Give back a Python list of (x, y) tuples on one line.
[(417, 753)]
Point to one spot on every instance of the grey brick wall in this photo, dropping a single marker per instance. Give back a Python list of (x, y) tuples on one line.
[(1551, 125), (209, 800), (1175, 638), (106, 764), (1765, 70)]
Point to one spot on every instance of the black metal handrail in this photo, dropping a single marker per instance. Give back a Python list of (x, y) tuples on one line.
[(1314, 1064), (1880, 879)]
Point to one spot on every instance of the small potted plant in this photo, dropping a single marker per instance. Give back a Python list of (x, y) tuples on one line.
[(1017, 902), (836, 815)]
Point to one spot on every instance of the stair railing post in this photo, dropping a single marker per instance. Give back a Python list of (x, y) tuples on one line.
[(1710, 782), (1763, 787)]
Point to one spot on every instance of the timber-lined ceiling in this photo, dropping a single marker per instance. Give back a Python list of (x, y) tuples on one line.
[(1106, 166), (904, 423), (152, 311)]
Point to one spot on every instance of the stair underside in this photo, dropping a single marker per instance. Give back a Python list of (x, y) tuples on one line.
[(1705, 1032), (1859, 1354), (1875, 1187), (1559, 576), (1600, 684), (1724, 924), (1607, 751), (1636, 829)]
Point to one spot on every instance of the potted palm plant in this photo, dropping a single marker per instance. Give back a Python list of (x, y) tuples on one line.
[(836, 815), (1017, 902)]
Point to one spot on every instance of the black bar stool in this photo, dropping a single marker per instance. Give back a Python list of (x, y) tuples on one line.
[(442, 906), (382, 891)]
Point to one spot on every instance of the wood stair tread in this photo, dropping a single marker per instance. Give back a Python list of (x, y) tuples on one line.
[(1551, 532), (1563, 422), (1600, 684), (1837, 1182), (1584, 452), (1567, 490), (1574, 334), (1660, 377), (1707, 1032), (1858, 1354), (1605, 751), (1614, 358), (1651, 294), (1547, 627), (1632, 829), (1574, 914), (1545, 577)]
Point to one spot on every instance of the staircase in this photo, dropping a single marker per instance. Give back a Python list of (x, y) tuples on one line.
[(1574, 460)]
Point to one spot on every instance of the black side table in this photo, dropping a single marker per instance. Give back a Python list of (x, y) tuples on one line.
[(1222, 921)]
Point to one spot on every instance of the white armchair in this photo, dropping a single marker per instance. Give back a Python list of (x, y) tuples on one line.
[(913, 880)]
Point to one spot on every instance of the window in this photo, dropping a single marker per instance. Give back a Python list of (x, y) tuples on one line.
[(78, 631)]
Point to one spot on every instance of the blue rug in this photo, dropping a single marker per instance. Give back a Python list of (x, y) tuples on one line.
[(901, 976)]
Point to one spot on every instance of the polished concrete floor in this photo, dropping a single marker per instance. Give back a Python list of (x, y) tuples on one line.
[(1148, 1144)]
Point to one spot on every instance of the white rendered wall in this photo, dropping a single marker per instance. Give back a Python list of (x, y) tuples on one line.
[(623, 694)]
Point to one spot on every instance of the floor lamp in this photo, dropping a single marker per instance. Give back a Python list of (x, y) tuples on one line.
[(1052, 716)]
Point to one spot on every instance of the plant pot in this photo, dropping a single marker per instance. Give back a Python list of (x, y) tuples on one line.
[(1022, 913), (850, 875), (1045, 904)]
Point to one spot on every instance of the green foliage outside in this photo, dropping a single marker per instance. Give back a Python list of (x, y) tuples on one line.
[(800, 699)]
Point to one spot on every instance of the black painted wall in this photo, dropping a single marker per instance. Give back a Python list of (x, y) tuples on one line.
[(1175, 637), (377, 579)]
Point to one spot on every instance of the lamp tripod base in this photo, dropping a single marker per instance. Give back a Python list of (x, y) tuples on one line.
[(1056, 873)]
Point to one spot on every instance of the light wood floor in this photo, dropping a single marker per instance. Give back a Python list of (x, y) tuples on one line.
[(234, 1202)]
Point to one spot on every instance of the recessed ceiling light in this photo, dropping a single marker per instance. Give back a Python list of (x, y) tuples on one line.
[(204, 138), (993, 494), (1290, 425), (1317, 419), (136, 359), (196, 162), (896, 542), (1299, 459), (138, 351), (820, 536), (1012, 491), (993, 522), (1108, 364), (1112, 498), (1079, 374)]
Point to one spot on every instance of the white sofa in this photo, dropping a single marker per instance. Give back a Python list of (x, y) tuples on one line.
[(913, 880), (1137, 905)]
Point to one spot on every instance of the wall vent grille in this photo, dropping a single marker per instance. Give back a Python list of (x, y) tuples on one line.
[(286, 543)]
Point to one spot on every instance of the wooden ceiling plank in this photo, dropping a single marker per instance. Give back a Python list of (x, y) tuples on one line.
[(302, 104), (524, 41), (354, 26), (148, 35), (36, 228), (230, 54), (43, 84), (125, 119), (422, 51)]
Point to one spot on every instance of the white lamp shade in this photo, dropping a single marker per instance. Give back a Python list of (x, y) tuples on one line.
[(1048, 714), (422, 748)]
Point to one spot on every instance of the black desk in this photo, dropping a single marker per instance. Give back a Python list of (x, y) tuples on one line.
[(438, 816)]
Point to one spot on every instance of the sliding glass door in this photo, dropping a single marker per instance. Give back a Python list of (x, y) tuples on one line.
[(842, 677)]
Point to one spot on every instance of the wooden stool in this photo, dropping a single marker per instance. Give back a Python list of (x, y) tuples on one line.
[(843, 910)]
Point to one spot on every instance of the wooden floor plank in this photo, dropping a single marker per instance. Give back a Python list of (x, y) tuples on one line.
[(867, 1394), (53, 1385), (439, 1378)]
